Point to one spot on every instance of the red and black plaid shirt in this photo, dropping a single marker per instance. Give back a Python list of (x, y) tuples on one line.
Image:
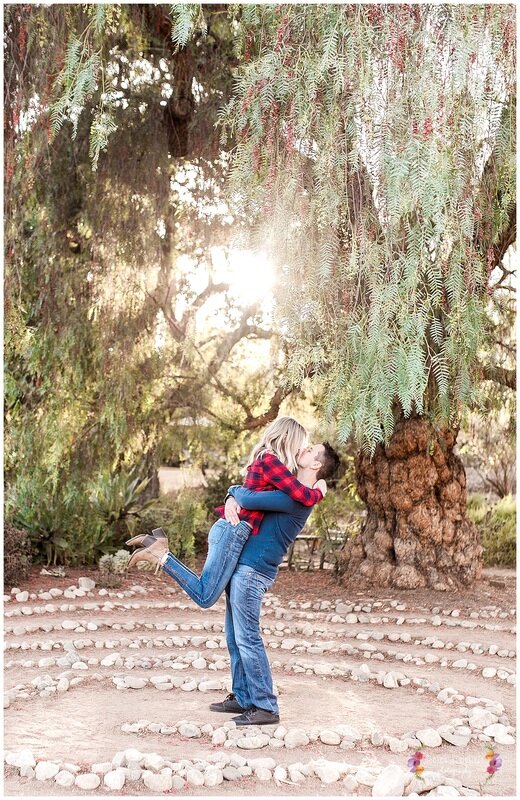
[(268, 473)]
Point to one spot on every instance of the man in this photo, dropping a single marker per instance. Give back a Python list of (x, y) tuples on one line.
[(252, 683)]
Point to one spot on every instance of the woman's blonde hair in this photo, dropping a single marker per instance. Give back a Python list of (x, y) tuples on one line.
[(284, 438)]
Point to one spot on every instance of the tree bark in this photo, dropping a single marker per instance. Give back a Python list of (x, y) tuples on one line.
[(416, 533)]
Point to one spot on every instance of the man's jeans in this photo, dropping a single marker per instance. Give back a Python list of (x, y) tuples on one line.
[(225, 544), (250, 669)]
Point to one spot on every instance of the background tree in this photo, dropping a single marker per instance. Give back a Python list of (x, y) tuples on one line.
[(374, 147), (114, 200), (381, 140)]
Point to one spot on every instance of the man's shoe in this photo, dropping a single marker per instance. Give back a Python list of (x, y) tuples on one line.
[(256, 716), (228, 706)]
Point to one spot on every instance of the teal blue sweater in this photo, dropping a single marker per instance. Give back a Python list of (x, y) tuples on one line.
[(265, 551)]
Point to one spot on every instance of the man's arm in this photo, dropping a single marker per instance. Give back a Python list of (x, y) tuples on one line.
[(263, 501)]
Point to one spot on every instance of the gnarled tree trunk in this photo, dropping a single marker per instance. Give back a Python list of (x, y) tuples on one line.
[(416, 533)]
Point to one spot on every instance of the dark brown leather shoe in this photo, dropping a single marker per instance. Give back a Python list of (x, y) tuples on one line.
[(228, 706)]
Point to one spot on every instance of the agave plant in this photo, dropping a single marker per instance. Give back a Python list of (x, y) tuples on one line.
[(116, 498)]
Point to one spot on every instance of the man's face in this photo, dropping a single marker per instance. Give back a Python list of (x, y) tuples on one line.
[(308, 456)]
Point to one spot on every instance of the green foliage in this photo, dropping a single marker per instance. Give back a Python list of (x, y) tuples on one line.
[(17, 555), (59, 522), (374, 200), (186, 17), (182, 516), (116, 498), (497, 525), (217, 486), (337, 518)]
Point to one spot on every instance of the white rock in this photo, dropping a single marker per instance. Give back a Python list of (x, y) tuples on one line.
[(264, 763), (365, 777), (330, 737), (199, 663), (129, 756), (504, 738), (46, 770), (210, 685), (429, 737), (189, 686), (489, 672), (327, 773), (350, 784), (230, 774), (22, 597), (480, 718), (253, 742), (446, 791), (86, 583), (153, 761), (132, 682), (263, 774), (64, 778), (102, 768), (115, 779), (390, 782), (295, 738), (397, 745), (280, 774), (213, 776), (219, 736), (390, 681), (497, 729), (189, 730), (23, 758), (194, 777), (87, 781), (158, 782)]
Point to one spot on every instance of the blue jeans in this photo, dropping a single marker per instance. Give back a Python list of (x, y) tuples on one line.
[(225, 544), (250, 669)]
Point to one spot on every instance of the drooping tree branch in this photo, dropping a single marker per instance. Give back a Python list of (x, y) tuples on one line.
[(501, 375)]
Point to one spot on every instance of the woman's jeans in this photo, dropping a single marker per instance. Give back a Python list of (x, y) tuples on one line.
[(225, 544), (250, 669)]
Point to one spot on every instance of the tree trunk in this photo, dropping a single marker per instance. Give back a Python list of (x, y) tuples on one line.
[(416, 533)]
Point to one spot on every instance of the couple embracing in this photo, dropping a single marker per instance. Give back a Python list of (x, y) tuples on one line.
[(259, 521)]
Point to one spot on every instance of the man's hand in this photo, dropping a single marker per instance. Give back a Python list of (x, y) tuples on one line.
[(322, 486), (232, 510)]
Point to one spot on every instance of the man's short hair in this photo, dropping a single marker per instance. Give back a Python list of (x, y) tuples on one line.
[(329, 462)]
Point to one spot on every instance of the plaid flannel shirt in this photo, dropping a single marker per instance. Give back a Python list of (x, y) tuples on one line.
[(266, 474)]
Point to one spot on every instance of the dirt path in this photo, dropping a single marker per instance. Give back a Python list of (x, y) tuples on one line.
[(150, 629)]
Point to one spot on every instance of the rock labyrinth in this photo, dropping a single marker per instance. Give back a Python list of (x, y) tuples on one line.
[(307, 642)]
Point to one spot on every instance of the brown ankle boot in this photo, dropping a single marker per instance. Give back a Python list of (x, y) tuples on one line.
[(157, 533), (153, 550)]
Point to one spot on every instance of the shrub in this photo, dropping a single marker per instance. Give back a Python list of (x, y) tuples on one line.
[(498, 530), (17, 555), (337, 518), (117, 499), (59, 522), (182, 516)]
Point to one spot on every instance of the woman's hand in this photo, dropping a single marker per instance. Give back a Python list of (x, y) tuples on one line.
[(322, 486), (232, 510)]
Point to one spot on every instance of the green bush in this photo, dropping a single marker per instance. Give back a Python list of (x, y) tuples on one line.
[(17, 555), (499, 534), (497, 526), (182, 516), (59, 522), (117, 500)]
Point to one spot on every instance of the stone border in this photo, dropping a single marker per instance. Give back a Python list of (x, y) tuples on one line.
[(158, 774), (456, 732)]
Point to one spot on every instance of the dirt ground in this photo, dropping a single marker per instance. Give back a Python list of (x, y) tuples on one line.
[(83, 725)]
